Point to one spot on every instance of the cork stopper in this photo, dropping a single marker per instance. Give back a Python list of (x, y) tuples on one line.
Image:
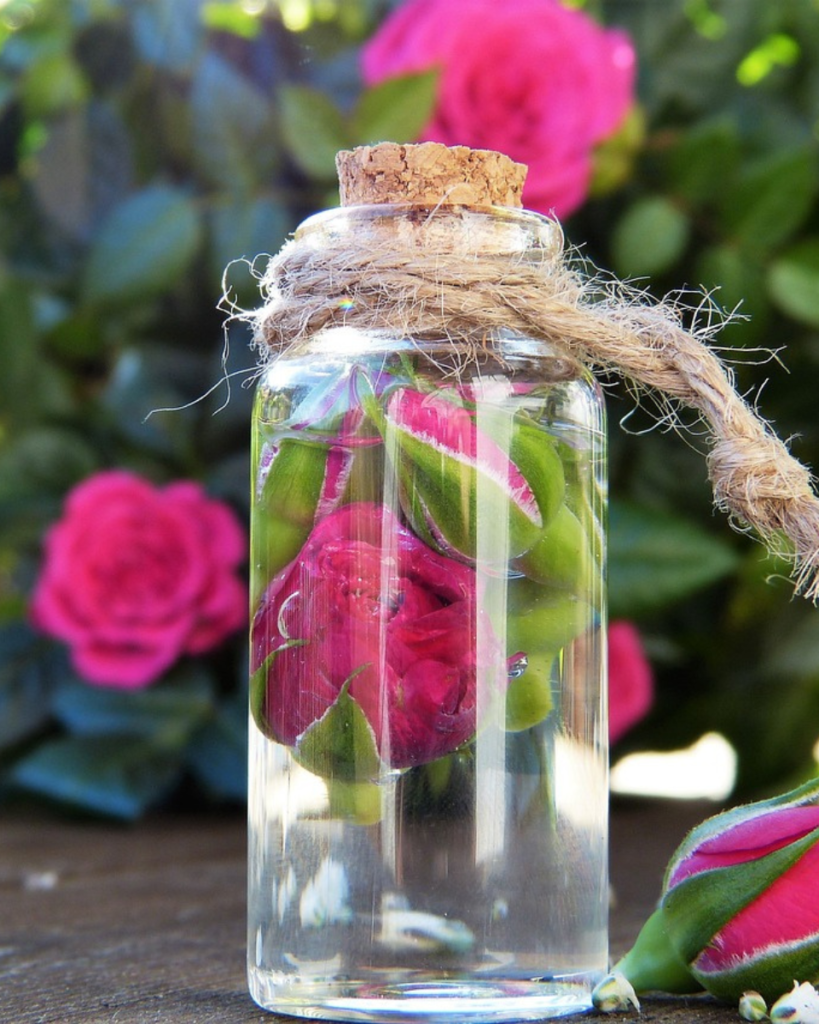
[(429, 174)]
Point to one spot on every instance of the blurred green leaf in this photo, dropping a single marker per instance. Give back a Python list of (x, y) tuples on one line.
[(614, 159), (53, 83), (21, 352), (313, 129), (709, 152), (793, 281), (144, 381), (396, 109), (771, 199), (118, 776), (228, 16), (167, 712), (84, 168), (656, 559), (44, 460), (241, 231), (26, 668), (233, 136), (218, 752), (78, 334), (143, 247), (650, 237), (738, 284), (169, 33), (794, 652)]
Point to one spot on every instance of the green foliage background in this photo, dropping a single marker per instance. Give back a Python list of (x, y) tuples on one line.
[(146, 144)]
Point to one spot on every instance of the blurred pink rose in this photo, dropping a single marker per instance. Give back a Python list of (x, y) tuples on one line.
[(631, 683), (135, 576), (532, 79), (367, 602)]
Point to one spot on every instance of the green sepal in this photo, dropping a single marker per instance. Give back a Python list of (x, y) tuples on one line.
[(456, 496), (653, 964), (702, 904), (438, 774), (535, 454), (284, 514), (529, 697), (274, 543), (542, 620), (770, 974), (562, 555), (293, 484), (258, 688), (358, 802), (447, 497), (341, 744), (532, 451)]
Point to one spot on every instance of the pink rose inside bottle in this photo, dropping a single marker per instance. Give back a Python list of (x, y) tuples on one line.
[(428, 781)]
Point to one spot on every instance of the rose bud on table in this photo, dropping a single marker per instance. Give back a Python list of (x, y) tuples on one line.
[(739, 909)]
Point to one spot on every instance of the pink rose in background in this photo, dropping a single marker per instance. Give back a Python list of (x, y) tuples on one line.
[(367, 602), (532, 79), (135, 576), (631, 682)]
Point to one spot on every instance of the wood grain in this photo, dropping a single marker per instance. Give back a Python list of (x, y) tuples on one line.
[(142, 924)]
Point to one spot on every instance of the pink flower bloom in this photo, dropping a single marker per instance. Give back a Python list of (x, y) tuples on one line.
[(135, 576), (786, 913), (631, 682), (739, 908), (532, 79), (368, 604)]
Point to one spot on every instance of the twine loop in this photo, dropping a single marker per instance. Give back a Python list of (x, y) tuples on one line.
[(409, 290)]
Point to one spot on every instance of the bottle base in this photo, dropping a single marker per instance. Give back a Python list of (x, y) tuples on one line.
[(433, 1001)]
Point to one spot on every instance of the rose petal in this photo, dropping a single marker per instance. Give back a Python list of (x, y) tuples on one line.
[(749, 840), (787, 912)]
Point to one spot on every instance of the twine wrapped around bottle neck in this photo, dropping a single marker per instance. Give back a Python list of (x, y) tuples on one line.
[(409, 290)]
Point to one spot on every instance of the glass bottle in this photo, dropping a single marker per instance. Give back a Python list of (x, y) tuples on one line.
[(428, 741)]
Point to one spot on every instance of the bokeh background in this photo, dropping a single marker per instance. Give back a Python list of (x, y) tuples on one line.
[(148, 145)]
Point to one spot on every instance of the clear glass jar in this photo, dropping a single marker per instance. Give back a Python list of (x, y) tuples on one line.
[(428, 741)]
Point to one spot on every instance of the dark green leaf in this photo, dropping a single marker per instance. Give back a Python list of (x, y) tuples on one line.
[(396, 109), (84, 168), (313, 128), (117, 776), (146, 378), (241, 231), (656, 559), (795, 650), (771, 199), (45, 460), (21, 356), (167, 712), (218, 751), (169, 33), (737, 283), (26, 677), (650, 237), (233, 138), (793, 281), (706, 154), (143, 247)]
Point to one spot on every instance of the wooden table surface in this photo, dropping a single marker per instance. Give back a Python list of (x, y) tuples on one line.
[(146, 923)]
